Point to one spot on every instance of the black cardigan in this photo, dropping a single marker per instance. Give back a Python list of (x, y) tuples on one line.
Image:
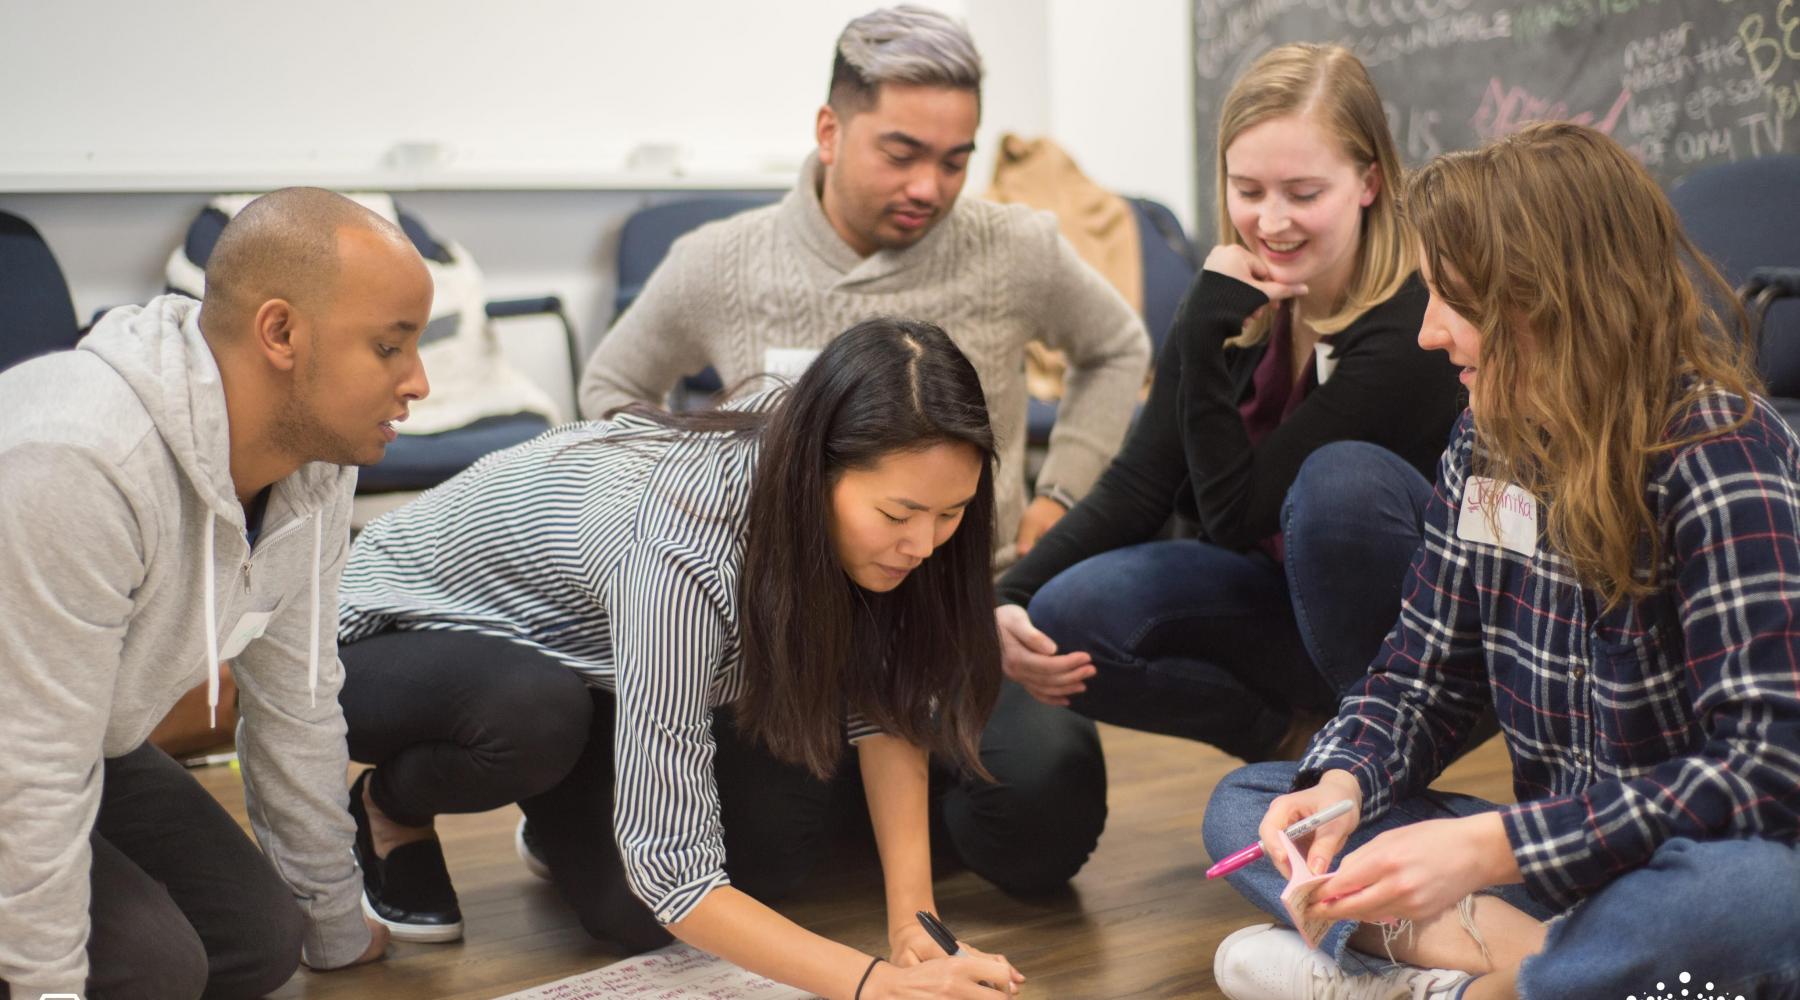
[(1188, 453)]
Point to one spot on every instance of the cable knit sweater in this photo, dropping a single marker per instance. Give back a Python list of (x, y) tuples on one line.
[(993, 276)]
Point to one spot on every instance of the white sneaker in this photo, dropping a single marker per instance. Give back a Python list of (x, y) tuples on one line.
[(526, 845), (1266, 962)]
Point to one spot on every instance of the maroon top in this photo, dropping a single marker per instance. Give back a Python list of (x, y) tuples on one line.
[(1275, 395)]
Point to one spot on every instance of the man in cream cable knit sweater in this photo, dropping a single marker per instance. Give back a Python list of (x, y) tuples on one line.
[(874, 227), (177, 493)]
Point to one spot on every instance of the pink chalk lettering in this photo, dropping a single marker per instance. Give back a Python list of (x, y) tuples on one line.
[(1507, 109)]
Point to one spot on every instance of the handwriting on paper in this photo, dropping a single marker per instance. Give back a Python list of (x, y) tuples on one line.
[(677, 972)]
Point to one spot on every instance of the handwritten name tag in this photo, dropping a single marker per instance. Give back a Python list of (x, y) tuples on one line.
[(248, 629), (1515, 526), (1323, 362)]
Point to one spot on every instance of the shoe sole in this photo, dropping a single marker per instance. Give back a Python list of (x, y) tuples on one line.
[(1225, 945), (415, 933), (532, 864)]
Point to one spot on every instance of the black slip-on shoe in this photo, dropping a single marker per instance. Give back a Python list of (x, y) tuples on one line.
[(408, 891), (530, 852)]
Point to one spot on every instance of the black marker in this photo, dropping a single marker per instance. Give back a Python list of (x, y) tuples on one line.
[(939, 933), (945, 940)]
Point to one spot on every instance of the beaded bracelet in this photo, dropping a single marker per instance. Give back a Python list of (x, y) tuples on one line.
[(864, 981)]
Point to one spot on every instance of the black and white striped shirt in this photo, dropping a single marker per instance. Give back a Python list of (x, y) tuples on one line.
[(614, 547)]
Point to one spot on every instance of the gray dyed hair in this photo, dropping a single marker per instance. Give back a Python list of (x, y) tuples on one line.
[(904, 44)]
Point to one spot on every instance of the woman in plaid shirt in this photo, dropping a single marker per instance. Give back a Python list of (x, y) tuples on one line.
[(1609, 558)]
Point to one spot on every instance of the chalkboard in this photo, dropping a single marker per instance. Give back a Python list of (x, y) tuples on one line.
[(1681, 83)]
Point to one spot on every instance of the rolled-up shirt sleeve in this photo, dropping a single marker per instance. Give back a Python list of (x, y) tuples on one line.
[(857, 728)]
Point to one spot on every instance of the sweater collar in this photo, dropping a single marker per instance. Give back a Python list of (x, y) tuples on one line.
[(804, 216)]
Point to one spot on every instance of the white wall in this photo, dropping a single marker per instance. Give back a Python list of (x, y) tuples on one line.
[(253, 90), (1013, 37), (1121, 96), (335, 85)]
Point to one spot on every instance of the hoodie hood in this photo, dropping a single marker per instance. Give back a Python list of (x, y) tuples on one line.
[(159, 351), (157, 348)]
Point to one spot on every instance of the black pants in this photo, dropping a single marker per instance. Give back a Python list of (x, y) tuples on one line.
[(458, 722), (183, 904)]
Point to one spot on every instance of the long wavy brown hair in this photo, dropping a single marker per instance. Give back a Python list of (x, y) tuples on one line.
[(1331, 85), (1596, 340)]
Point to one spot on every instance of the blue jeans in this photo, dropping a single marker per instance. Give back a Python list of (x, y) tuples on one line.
[(1722, 911), (1198, 641)]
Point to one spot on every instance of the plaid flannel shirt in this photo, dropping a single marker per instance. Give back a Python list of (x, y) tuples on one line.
[(1677, 715)]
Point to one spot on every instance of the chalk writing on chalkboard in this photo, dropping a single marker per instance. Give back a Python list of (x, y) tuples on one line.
[(1681, 83)]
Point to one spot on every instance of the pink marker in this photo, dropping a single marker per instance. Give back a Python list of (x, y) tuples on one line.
[(1301, 828)]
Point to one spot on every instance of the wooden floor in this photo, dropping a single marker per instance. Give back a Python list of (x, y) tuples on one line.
[(1139, 921)]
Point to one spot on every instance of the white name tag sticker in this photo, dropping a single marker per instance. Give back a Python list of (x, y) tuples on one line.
[(1323, 362), (1516, 516), (788, 362), (248, 629)]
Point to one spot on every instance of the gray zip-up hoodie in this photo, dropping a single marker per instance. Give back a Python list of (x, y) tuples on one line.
[(127, 577)]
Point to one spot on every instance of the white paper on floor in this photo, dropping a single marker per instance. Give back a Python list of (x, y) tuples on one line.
[(677, 972)]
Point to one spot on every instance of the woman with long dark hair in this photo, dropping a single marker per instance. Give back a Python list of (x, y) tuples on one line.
[(657, 633)]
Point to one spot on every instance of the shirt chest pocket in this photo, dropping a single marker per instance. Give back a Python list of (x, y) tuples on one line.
[(1642, 715)]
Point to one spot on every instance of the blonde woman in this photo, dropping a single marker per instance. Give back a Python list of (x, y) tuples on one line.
[(1298, 332), (1611, 559)]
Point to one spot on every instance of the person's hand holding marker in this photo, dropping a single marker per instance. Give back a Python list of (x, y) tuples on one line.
[(964, 973), (1328, 839)]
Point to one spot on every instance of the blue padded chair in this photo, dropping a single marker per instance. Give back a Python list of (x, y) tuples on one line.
[(1746, 217), (1169, 266), (643, 244), (36, 314), (420, 461)]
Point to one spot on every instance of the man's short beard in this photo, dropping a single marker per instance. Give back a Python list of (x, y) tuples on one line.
[(299, 430)]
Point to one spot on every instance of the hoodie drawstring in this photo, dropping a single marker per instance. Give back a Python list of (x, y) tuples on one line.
[(212, 635)]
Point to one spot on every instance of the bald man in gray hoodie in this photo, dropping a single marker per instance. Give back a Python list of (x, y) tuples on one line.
[(173, 493)]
